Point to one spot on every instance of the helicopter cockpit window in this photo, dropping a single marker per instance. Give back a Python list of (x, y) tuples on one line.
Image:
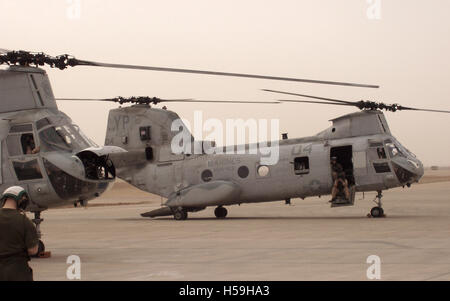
[(28, 144), (403, 149), (42, 122), (23, 144), (63, 138), (394, 151), (381, 153)]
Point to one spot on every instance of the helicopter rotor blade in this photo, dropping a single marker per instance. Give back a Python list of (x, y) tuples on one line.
[(219, 73), (423, 110), (65, 60), (310, 96), (362, 105), (118, 98), (154, 100), (225, 101), (4, 51), (315, 102)]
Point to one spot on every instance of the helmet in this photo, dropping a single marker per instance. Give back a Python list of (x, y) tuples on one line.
[(16, 193)]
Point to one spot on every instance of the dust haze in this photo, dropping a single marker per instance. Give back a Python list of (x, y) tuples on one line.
[(405, 51)]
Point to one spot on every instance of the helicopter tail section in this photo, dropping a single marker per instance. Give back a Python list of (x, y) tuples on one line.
[(145, 132)]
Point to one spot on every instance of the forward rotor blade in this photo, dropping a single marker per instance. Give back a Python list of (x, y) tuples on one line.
[(424, 110), (165, 69), (310, 96), (117, 99), (25, 58)]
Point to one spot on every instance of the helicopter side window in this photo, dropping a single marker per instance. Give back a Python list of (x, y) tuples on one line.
[(301, 165), (263, 171)]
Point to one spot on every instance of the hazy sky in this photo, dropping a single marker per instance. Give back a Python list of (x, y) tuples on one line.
[(406, 52)]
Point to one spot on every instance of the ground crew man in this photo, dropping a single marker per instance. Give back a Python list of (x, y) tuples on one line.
[(18, 236)]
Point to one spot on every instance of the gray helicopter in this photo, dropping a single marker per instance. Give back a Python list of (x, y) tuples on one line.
[(372, 159), (42, 150), (362, 143)]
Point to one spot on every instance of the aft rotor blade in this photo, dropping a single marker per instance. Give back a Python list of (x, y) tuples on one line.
[(315, 102), (158, 100), (310, 96), (219, 73), (224, 101)]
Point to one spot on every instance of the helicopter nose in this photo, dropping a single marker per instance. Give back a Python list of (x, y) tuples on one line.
[(420, 170), (408, 169), (417, 168)]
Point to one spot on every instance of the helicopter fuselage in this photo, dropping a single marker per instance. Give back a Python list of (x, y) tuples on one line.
[(372, 158), (42, 150)]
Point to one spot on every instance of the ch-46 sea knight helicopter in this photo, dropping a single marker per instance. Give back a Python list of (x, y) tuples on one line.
[(372, 159)]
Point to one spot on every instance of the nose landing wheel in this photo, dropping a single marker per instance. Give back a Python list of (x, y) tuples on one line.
[(221, 212), (378, 210)]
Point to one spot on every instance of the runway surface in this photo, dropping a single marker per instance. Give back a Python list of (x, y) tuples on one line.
[(269, 241)]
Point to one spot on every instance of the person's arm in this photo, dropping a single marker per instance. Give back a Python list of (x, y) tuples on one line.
[(31, 237), (33, 251)]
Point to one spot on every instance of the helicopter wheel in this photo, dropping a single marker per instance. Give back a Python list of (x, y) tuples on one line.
[(377, 212), (221, 212), (180, 214)]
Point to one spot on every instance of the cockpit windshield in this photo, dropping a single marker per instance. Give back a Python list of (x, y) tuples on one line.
[(393, 149), (67, 138), (404, 149)]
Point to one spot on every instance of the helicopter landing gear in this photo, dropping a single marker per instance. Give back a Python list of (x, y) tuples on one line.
[(37, 220), (180, 214), (378, 210), (221, 212)]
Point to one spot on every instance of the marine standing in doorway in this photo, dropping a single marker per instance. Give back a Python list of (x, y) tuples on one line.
[(340, 183)]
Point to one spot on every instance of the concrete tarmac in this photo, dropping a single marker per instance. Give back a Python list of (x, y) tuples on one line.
[(268, 241)]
